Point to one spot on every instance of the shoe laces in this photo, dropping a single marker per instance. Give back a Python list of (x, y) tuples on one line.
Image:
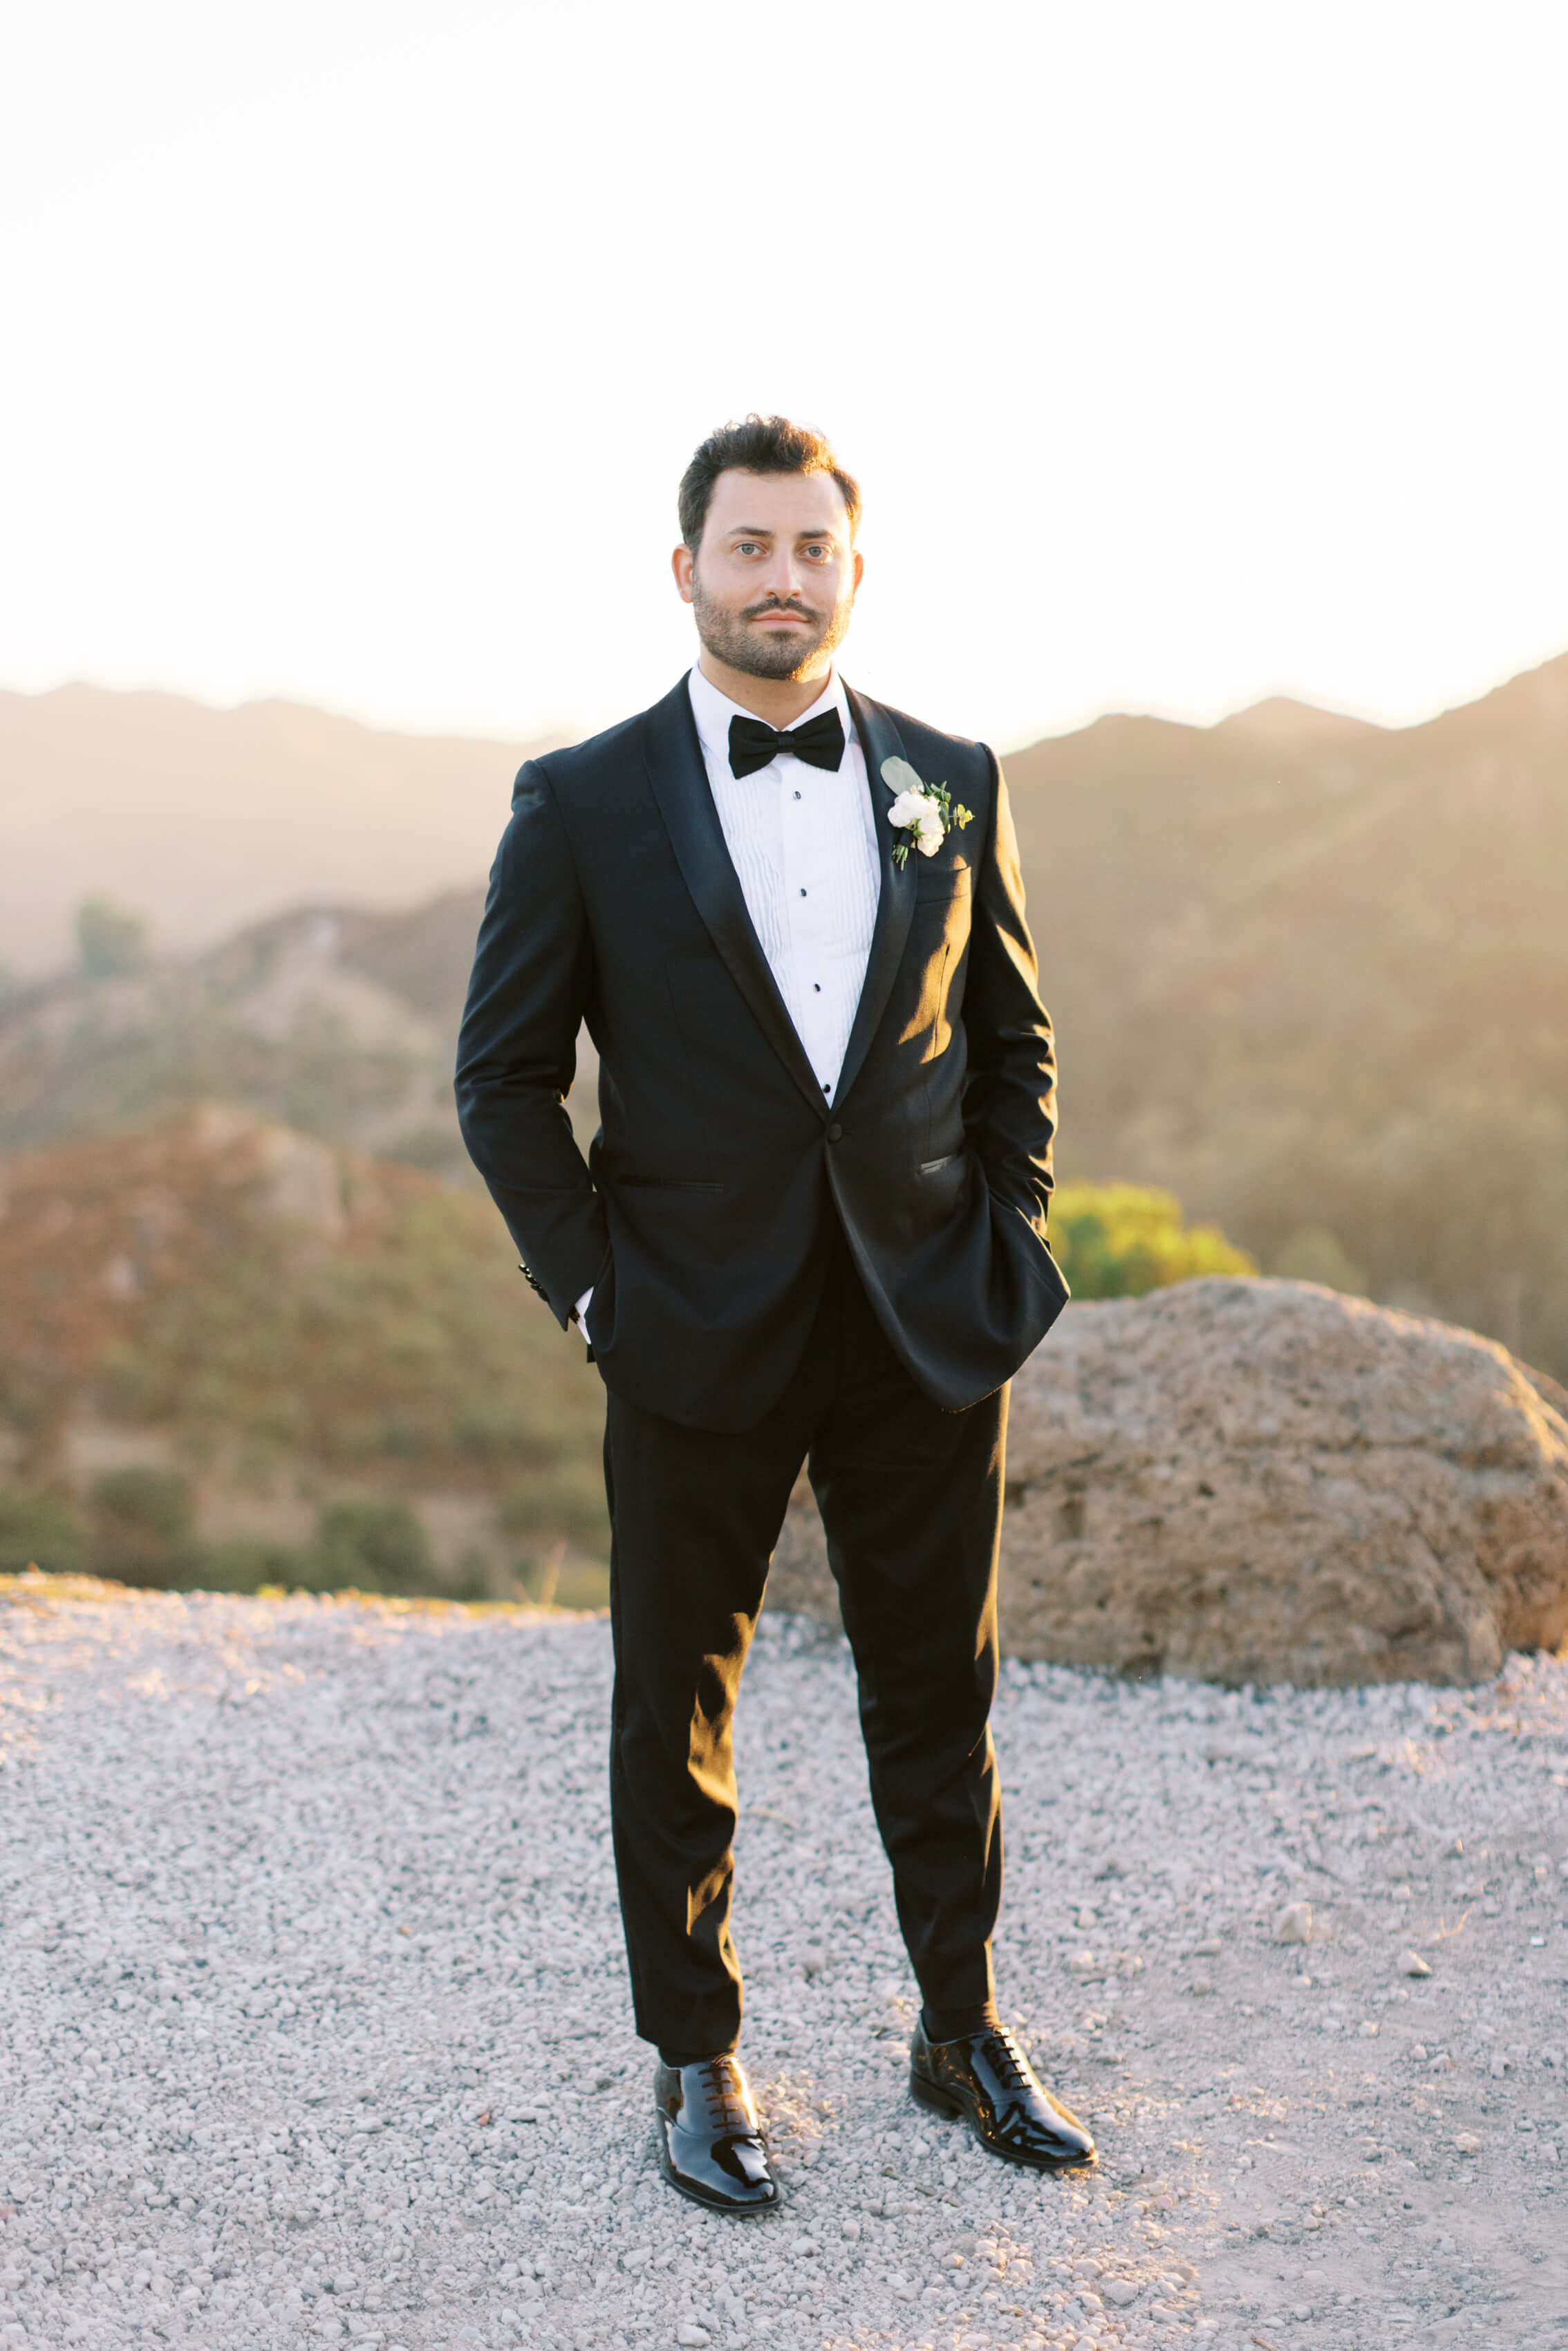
[(1009, 2061), (728, 2100)]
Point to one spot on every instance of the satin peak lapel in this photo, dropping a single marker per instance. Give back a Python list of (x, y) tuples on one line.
[(880, 740), (673, 758)]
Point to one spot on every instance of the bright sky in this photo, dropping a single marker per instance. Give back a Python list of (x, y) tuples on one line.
[(1186, 353)]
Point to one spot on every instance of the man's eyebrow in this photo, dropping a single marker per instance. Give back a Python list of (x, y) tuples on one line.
[(762, 530)]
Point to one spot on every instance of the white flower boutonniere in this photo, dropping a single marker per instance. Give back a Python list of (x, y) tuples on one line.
[(923, 813)]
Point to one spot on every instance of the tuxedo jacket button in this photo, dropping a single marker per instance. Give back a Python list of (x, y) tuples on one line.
[(834, 1132)]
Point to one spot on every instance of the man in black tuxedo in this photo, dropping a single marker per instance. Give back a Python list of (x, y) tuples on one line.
[(811, 1227)]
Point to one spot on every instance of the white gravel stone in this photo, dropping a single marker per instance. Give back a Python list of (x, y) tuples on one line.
[(294, 1895)]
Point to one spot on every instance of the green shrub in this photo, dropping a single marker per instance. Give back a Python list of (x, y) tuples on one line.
[(370, 1547), (40, 1531), (1118, 1240), (241, 1564), (141, 1525)]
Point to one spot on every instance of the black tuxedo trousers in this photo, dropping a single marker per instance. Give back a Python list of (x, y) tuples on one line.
[(910, 1497)]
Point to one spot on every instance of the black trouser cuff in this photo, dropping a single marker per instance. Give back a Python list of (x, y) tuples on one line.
[(693, 2056), (953, 2023)]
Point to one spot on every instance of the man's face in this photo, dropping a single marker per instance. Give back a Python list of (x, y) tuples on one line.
[(773, 582)]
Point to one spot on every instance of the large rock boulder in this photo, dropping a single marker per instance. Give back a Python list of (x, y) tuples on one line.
[(1264, 1481)]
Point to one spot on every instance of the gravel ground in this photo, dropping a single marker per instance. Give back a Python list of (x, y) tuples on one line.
[(316, 2017)]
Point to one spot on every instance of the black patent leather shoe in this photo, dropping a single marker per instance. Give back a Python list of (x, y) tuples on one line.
[(710, 2141), (986, 2078)]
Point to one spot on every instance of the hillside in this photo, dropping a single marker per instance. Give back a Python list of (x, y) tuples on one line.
[(205, 819), (231, 1352), (1311, 975), (332, 1019), (1306, 973)]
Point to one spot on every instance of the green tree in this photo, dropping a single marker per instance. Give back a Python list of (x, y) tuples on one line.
[(111, 941), (1117, 1240)]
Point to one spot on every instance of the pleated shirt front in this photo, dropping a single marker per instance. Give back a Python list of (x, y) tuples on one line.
[(802, 842)]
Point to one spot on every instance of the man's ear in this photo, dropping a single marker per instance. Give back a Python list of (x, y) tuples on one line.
[(859, 567), (681, 563)]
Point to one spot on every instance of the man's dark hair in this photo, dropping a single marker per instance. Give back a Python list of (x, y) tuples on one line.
[(762, 444)]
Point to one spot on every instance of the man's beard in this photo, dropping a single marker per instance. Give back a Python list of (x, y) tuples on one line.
[(731, 639)]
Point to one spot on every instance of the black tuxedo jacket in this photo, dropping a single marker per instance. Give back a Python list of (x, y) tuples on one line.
[(703, 1217)]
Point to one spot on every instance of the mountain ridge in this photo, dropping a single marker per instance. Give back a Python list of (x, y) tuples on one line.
[(203, 820), (243, 813)]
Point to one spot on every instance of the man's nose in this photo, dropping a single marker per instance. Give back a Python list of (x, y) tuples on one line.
[(782, 579)]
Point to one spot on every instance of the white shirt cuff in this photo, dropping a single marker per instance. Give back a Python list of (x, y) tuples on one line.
[(579, 1312)]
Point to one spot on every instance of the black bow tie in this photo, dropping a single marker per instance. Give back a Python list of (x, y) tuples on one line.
[(752, 743)]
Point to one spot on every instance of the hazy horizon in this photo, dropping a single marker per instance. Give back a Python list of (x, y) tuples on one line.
[(567, 732), (1186, 359), (205, 819)]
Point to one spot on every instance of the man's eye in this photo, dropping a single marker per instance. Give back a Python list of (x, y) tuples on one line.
[(821, 548), (746, 547)]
